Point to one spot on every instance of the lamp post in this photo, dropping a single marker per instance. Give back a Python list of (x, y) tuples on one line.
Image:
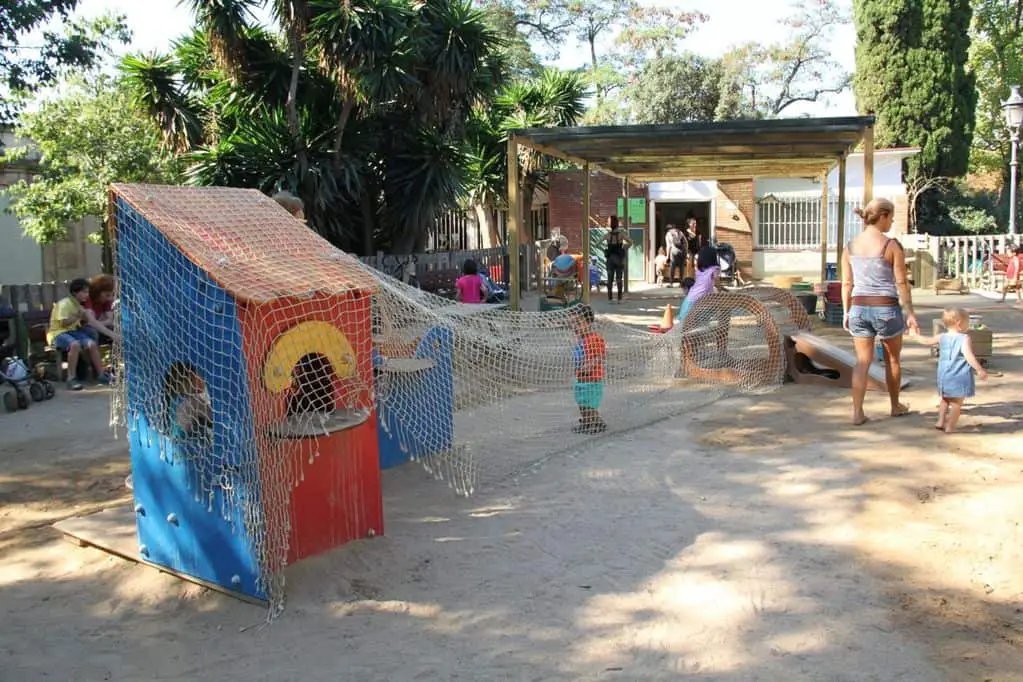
[(1013, 108)]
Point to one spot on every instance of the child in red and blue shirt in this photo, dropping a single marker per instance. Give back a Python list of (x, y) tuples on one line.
[(589, 354)]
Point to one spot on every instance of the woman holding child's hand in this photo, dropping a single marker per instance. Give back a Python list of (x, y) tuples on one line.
[(874, 280)]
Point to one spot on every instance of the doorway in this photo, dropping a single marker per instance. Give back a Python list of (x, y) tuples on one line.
[(677, 213)]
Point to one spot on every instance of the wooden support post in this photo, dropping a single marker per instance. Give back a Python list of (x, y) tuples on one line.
[(628, 224), (868, 166), (586, 234), (514, 224), (824, 226), (840, 245)]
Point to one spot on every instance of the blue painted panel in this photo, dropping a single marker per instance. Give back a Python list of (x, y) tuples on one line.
[(415, 416), (172, 311)]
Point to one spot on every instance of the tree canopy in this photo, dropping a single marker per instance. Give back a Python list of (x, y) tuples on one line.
[(911, 70), (27, 67), (84, 140)]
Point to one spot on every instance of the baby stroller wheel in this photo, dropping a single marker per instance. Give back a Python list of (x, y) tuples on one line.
[(10, 401), (49, 391), (37, 392), (22, 400)]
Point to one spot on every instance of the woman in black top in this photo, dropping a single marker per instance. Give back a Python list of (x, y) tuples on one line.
[(616, 243)]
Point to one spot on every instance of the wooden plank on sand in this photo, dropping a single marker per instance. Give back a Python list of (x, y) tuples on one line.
[(113, 531)]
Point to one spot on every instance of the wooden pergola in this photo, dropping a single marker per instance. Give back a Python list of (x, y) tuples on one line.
[(726, 150)]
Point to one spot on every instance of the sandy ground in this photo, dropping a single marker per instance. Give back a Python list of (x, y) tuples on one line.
[(759, 538)]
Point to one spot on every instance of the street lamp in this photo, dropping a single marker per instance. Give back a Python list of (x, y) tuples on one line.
[(1013, 108)]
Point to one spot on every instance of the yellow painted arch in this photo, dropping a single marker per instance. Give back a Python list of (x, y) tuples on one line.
[(301, 340)]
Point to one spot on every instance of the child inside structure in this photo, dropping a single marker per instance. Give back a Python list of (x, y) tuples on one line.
[(956, 364), (590, 354), (188, 407)]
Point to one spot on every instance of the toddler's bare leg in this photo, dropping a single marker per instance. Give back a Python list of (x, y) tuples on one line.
[(942, 414), (955, 406)]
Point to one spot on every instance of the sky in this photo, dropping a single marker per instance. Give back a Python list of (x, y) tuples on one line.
[(156, 23)]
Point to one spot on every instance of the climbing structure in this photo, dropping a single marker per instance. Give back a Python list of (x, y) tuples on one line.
[(266, 378)]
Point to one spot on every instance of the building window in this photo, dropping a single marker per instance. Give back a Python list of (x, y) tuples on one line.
[(793, 221)]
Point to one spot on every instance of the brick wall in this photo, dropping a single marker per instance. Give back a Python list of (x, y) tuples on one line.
[(734, 211), (565, 210)]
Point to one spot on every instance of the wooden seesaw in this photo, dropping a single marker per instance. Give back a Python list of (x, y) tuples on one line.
[(761, 336)]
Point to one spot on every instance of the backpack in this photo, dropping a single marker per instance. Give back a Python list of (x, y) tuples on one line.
[(677, 239)]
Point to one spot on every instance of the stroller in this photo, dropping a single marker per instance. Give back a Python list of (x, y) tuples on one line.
[(730, 275), (495, 292), (15, 372)]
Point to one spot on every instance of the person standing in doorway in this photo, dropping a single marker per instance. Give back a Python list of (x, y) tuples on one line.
[(692, 238), (616, 243), (678, 249)]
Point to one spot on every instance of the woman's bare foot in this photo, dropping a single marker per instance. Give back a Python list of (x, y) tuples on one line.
[(939, 426), (900, 410), (860, 420)]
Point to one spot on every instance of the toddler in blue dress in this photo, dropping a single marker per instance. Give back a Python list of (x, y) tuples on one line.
[(956, 364)]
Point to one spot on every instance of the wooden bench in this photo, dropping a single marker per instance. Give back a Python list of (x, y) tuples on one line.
[(32, 304)]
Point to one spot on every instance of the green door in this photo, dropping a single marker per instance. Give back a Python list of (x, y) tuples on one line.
[(637, 254)]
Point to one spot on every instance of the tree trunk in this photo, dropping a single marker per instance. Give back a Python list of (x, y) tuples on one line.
[(368, 222), (488, 226), (342, 121), (298, 54)]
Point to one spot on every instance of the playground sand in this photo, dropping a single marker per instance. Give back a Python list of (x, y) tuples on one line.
[(757, 538)]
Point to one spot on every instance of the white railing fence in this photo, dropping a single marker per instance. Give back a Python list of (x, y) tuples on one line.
[(977, 261), (793, 221)]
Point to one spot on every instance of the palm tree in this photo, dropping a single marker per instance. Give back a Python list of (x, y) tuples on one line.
[(556, 98), (360, 110)]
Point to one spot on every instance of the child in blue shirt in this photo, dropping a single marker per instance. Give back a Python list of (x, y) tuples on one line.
[(956, 365)]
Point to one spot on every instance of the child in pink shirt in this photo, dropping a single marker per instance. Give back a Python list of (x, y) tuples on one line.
[(1012, 274), (470, 286)]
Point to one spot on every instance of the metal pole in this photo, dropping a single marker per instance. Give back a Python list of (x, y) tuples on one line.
[(1013, 166)]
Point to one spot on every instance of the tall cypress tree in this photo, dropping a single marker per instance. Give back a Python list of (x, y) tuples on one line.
[(911, 70)]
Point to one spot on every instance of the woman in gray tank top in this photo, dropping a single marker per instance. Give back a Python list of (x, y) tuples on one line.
[(874, 279)]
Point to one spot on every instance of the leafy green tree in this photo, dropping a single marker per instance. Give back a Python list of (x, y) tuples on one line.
[(381, 96), (675, 89), (996, 59), (911, 70), (762, 81), (556, 98), (89, 137), (27, 67)]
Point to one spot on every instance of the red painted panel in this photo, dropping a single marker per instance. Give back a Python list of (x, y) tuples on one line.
[(337, 497)]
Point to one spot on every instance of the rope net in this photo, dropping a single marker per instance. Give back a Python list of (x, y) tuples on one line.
[(282, 374)]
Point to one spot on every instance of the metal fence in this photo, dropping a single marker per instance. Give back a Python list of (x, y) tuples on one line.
[(461, 231), (793, 221), (403, 267)]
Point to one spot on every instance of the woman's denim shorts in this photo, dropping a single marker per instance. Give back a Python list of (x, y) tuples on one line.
[(882, 321)]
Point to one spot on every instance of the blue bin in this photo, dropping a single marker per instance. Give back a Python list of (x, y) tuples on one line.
[(831, 272)]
